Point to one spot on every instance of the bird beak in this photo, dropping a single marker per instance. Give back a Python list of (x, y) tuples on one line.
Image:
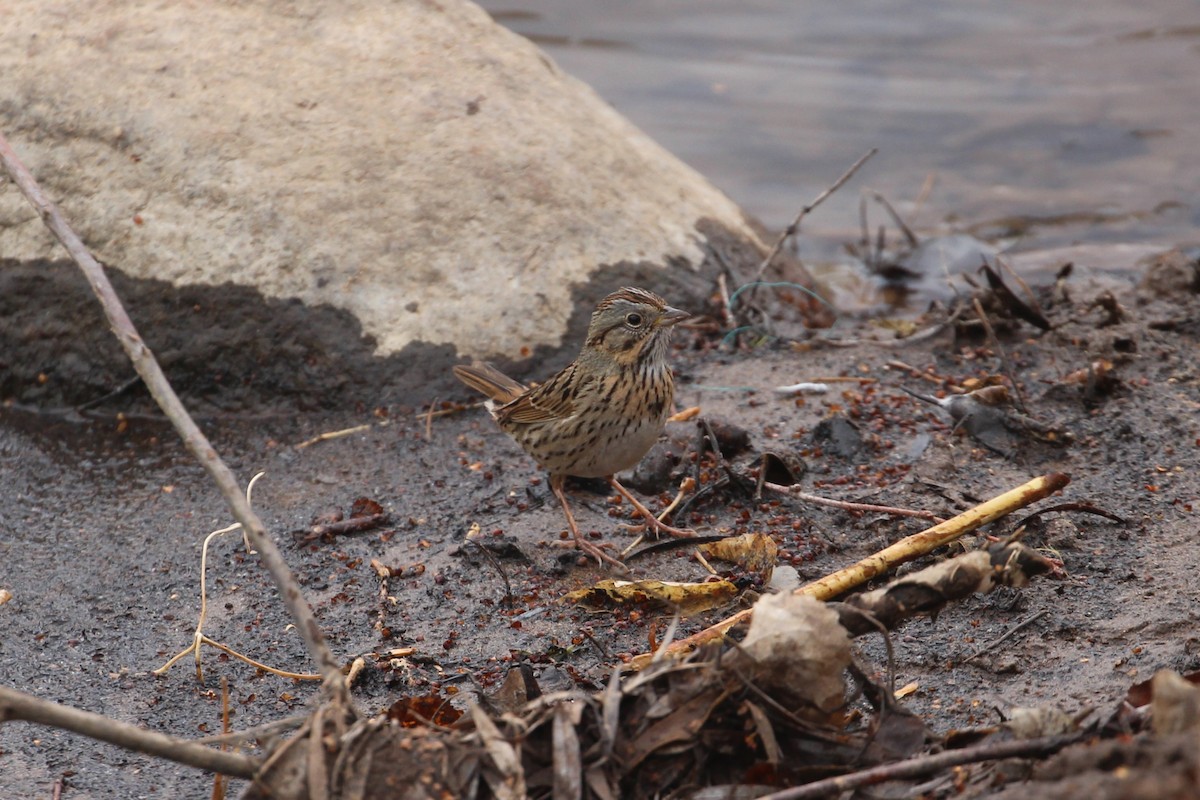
[(670, 316)]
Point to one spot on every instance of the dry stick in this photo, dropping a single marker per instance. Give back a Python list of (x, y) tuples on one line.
[(457, 408), (1005, 365), (936, 380), (923, 194), (152, 375), (218, 790), (847, 505), (726, 309), (325, 437), (909, 236), (925, 765), (792, 229), (1007, 635), (429, 420), (258, 733), (495, 562), (905, 550), (16, 705), (864, 230)]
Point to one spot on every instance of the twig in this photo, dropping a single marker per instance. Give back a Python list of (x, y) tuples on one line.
[(703, 562), (936, 380), (260, 732), (876, 623), (16, 705), (152, 375), (587, 634), (383, 573), (456, 408), (923, 194), (324, 437), (880, 244), (864, 235), (726, 308), (1011, 632), (342, 527), (202, 639), (1018, 400), (836, 379), (925, 765), (491, 559), (1084, 507), (846, 505), (794, 228), (429, 421), (356, 668), (124, 387), (218, 790), (909, 236)]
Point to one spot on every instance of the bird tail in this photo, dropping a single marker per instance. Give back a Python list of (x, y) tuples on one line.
[(485, 378)]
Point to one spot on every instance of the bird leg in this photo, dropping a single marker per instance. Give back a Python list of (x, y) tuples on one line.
[(556, 486), (652, 521)]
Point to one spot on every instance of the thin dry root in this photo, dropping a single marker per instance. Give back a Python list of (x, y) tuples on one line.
[(198, 637)]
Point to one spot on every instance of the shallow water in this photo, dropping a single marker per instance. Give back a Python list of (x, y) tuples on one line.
[(1038, 124)]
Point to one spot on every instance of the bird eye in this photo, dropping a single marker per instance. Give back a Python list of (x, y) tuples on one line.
[(633, 320)]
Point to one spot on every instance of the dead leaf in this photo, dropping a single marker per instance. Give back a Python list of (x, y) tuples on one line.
[(568, 767), (688, 598), (755, 552), (1176, 703), (796, 647)]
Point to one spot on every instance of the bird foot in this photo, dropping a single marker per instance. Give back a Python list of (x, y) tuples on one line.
[(589, 549), (595, 551), (652, 522), (659, 527)]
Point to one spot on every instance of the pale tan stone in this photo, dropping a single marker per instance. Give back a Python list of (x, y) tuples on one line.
[(378, 157)]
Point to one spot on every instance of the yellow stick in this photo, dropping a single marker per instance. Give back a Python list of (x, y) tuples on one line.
[(904, 550)]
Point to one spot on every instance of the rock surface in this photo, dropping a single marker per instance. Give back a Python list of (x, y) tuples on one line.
[(413, 164)]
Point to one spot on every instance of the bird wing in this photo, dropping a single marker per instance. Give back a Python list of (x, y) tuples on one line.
[(553, 400), (486, 379)]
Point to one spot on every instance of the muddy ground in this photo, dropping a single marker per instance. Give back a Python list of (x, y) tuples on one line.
[(102, 514)]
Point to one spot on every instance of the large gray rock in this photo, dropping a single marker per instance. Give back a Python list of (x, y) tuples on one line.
[(413, 164)]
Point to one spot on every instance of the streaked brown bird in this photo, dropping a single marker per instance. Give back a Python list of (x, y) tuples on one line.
[(604, 411)]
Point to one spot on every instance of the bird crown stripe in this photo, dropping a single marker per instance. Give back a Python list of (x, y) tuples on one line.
[(632, 294)]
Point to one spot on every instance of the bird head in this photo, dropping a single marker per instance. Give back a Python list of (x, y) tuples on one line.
[(632, 326)]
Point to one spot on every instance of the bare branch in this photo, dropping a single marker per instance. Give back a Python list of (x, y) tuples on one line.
[(925, 765), (152, 375), (16, 705), (794, 228)]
